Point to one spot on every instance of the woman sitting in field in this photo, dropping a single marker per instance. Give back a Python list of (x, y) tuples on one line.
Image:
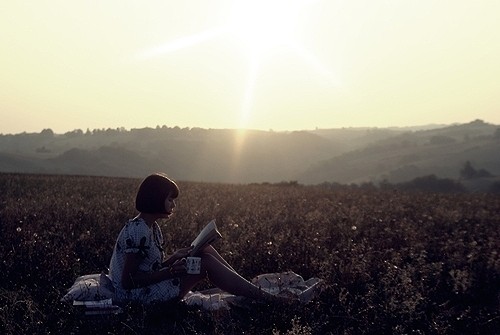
[(138, 268)]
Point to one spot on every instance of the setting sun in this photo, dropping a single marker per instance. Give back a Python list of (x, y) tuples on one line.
[(263, 24)]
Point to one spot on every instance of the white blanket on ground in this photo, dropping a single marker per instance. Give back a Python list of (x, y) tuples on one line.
[(91, 287), (95, 287), (283, 284)]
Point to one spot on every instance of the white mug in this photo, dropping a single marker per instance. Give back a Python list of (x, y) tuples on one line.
[(193, 265)]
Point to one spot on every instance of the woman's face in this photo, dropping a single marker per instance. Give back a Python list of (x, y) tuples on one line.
[(169, 205)]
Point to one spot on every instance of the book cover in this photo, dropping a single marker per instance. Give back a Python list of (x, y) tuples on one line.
[(207, 235)]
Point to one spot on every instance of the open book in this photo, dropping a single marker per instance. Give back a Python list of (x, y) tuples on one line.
[(207, 235)]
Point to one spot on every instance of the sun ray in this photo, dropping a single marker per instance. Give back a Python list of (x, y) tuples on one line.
[(240, 135), (249, 89), (183, 42), (238, 148)]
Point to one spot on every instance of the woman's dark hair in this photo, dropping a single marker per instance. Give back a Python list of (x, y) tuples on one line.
[(153, 192)]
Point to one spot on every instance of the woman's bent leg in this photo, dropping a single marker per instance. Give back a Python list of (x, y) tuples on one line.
[(211, 250), (224, 278)]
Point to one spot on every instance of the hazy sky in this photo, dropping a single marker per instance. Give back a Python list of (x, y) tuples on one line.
[(281, 65)]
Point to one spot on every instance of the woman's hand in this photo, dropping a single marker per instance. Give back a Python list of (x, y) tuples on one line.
[(177, 255), (181, 253), (178, 268)]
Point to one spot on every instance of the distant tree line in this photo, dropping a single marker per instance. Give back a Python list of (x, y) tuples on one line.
[(469, 172), (428, 183), (48, 132)]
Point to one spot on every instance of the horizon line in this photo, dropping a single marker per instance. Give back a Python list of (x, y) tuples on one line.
[(433, 125)]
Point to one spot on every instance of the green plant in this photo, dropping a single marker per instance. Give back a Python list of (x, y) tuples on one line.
[(391, 261)]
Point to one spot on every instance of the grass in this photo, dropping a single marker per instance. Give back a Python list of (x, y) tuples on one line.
[(392, 262)]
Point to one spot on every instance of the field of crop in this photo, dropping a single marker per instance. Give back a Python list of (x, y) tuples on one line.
[(392, 262)]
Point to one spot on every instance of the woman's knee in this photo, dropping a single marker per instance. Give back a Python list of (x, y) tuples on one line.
[(208, 250), (208, 261)]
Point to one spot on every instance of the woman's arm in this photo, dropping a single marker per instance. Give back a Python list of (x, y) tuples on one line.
[(179, 254)]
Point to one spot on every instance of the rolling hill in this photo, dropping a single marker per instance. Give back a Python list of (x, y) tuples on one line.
[(346, 155)]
